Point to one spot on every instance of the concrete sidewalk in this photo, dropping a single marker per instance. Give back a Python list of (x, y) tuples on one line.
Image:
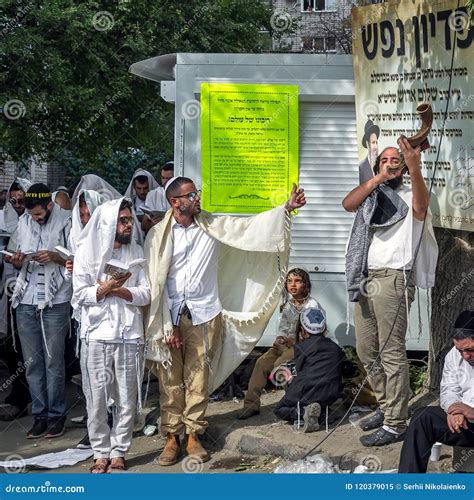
[(258, 444)]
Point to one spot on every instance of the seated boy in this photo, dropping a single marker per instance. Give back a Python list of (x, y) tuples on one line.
[(318, 381)]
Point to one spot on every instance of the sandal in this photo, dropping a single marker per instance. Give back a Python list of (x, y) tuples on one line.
[(100, 466), (117, 464)]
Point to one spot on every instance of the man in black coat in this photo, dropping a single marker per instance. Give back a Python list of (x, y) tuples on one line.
[(318, 381)]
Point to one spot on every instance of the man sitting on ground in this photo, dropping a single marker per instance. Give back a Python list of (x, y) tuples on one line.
[(318, 381), (452, 422)]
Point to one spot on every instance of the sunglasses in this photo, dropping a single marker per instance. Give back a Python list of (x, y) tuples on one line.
[(191, 196), (125, 220), (14, 202)]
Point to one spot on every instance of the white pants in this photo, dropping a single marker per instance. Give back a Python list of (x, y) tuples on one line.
[(111, 372)]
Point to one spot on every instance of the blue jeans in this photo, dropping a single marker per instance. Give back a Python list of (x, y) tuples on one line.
[(45, 373)]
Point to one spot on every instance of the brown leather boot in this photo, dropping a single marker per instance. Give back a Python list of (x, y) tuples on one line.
[(171, 451), (195, 449)]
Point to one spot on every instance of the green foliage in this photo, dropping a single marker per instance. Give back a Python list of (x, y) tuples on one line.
[(418, 377), (67, 62)]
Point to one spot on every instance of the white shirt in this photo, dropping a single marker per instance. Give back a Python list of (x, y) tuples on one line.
[(389, 244), (457, 383), (192, 277), (104, 320)]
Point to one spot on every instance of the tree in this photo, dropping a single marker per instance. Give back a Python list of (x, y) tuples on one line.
[(66, 92)]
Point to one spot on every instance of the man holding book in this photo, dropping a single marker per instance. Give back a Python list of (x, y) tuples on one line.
[(41, 300), (112, 336)]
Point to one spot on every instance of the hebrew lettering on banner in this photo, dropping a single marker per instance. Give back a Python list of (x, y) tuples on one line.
[(402, 58)]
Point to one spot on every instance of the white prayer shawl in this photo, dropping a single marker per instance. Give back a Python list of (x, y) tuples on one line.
[(108, 192), (94, 249), (28, 232), (92, 199), (156, 200), (95, 183), (251, 274), (152, 183), (10, 217)]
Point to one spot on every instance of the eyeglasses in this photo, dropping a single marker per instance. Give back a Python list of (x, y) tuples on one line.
[(125, 220), (191, 196), (15, 201)]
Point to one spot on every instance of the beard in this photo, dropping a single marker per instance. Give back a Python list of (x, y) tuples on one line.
[(123, 239), (46, 217), (371, 156)]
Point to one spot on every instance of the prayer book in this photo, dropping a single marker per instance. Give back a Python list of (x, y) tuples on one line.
[(116, 268), (152, 213), (28, 255), (64, 252)]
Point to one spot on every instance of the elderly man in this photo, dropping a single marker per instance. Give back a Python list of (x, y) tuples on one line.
[(370, 141), (452, 422), (387, 230), (111, 330), (41, 299), (186, 254)]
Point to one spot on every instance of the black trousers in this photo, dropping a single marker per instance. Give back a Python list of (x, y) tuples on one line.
[(427, 426)]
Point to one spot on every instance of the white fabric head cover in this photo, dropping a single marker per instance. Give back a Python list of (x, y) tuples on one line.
[(152, 183), (313, 320), (95, 244), (108, 192), (92, 199), (95, 183), (10, 217)]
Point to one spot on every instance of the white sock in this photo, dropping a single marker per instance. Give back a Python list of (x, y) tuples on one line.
[(389, 429)]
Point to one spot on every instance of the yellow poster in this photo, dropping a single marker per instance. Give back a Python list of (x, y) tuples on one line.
[(249, 146), (407, 53)]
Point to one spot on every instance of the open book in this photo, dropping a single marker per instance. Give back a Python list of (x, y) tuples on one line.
[(28, 255), (64, 252), (117, 268), (152, 213)]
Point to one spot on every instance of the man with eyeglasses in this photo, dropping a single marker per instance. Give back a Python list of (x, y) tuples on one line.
[(215, 282), (381, 275), (451, 423), (112, 335)]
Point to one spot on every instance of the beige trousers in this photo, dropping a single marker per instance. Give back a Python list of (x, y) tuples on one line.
[(184, 391), (274, 357), (374, 315)]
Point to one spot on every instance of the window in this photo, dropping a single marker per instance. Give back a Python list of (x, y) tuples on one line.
[(318, 44), (318, 5)]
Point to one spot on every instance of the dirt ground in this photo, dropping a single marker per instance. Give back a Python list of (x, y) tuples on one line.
[(258, 444)]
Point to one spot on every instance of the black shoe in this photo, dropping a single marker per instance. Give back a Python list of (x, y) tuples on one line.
[(247, 413), (56, 428), (38, 430), (373, 422), (84, 443), (381, 437)]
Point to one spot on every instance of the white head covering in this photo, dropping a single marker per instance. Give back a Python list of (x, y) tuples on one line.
[(313, 320), (10, 217), (92, 182), (96, 242), (108, 192), (152, 183), (93, 199)]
